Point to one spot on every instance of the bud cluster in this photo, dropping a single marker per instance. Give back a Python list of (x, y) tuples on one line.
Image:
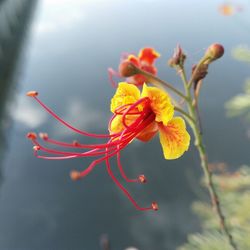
[(178, 58)]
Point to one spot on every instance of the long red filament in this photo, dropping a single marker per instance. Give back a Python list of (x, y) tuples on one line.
[(122, 171), (68, 125), (116, 142), (124, 190)]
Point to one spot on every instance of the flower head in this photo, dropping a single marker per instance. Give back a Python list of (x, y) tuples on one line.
[(150, 112), (144, 60), (135, 116), (226, 9)]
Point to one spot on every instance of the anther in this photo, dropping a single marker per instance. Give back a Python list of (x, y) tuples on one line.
[(75, 175), (76, 143), (155, 206), (31, 136), (36, 147), (32, 93), (142, 179), (43, 136)]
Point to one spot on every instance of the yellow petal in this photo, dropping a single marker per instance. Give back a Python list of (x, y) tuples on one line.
[(160, 103), (117, 126), (174, 138), (125, 94)]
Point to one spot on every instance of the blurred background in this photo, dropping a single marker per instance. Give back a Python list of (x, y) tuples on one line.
[(62, 49)]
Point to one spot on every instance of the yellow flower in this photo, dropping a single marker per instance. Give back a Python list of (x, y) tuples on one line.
[(135, 116), (146, 114)]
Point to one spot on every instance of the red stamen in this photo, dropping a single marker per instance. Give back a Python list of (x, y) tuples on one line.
[(68, 125), (155, 206), (93, 152), (43, 136), (142, 178), (36, 148), (32, 93), (122, 171), (116, 143), (31, 136), (75, 175), (76, 143), (145, 99), (124, 190)]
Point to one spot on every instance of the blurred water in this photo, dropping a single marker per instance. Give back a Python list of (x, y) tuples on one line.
[(64, 52)]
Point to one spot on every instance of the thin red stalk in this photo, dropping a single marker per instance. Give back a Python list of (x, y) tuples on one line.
[(121, 168), (122, 171), (130, 108), (93, 152), (118, 154), (123, 189), (69, 126), (79, 145), (124, 143), (128, 137), (121, 109)]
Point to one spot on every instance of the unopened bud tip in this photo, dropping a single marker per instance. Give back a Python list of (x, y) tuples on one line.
[(31, 135), (36, 148), (43, 136), (75, 175), (32, 93), (142, 178), (155, 206)]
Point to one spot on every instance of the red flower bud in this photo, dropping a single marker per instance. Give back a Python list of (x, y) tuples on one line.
[(214, 52), (127, 69)]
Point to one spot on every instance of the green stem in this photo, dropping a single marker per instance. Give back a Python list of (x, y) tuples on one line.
[(204, 160), (190, 119), (155, 80)]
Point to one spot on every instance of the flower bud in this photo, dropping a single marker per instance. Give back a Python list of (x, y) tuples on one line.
[(200, 73), (214, 52), (178, 57), (127, 69)]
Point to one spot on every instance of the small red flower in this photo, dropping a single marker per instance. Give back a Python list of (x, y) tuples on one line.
[(145, 61)]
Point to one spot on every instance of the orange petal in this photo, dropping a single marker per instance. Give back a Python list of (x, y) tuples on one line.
[(150, 69), (134, 60), (137, 80), (148, 55), (226, 10), (174, 138), (148, 133)]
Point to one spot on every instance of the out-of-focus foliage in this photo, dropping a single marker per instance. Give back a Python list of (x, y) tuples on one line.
[(239, 105), (242, 53), (234, 192)]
